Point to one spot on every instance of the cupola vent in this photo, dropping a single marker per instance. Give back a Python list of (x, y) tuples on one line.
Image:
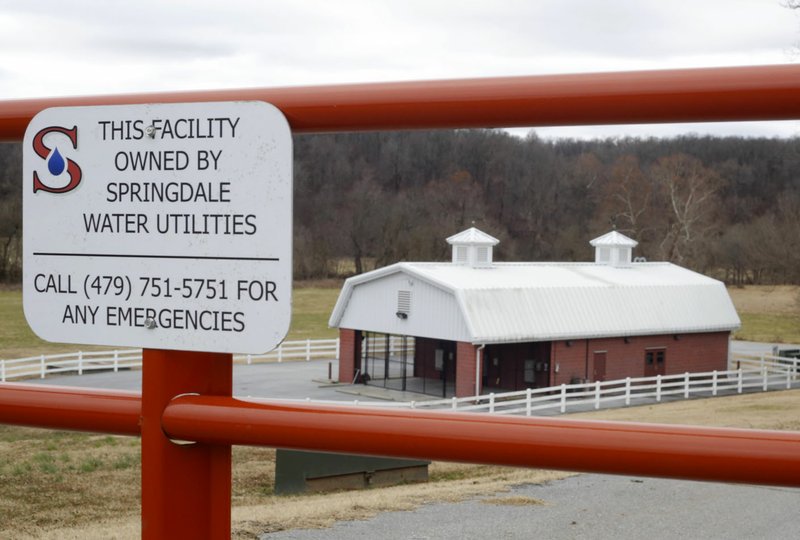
[(473, 248), (613, 249)]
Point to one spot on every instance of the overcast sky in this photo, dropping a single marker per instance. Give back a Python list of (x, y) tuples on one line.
[(73, 47)]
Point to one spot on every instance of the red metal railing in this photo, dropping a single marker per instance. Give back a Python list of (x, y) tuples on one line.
[(579, 445), (683, 95), (187, 396)]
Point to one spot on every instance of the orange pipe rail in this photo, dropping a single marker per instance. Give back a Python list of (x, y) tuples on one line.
[(679, 95), (79, 409), (696, 453)]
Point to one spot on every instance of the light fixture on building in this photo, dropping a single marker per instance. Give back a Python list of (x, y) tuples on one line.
[(402, 315)]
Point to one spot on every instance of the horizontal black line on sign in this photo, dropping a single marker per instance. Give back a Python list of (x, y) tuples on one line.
[(131, 256)]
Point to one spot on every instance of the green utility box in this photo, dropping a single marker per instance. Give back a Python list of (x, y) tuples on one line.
[(308, 472)]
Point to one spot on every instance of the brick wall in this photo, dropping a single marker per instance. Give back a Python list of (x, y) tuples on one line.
[(349, 352), (465, 369), (690, 352)]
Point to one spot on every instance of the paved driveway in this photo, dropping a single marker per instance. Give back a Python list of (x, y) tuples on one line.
[(590, 506)]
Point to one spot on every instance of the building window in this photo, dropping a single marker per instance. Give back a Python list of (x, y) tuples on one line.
[(604, 255), (655, 357), (483, 254), (461, 254)]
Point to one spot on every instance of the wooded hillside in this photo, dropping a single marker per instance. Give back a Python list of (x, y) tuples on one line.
[(725, 206)]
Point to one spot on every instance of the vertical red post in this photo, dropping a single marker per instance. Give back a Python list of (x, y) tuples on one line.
[(186, 487)]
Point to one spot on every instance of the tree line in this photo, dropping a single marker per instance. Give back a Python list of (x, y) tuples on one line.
[(728, 207)]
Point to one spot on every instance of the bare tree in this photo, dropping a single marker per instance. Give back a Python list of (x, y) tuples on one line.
[(627, 196), (687, 191)]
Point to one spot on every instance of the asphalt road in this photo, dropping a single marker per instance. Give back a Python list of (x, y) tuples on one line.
[(590, 506)]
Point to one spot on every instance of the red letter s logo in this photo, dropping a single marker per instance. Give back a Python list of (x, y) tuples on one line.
[(56, 164)]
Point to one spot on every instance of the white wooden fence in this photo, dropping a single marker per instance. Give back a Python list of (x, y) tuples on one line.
[(82, 362), (762, 373), (754, 372)]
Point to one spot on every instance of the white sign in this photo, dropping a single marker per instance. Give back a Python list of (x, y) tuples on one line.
[(164, 226)]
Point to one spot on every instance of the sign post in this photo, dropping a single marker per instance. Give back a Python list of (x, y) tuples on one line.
[(169, 227)]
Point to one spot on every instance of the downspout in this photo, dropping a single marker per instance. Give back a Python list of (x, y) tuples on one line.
[(478, 352), (586, 360)]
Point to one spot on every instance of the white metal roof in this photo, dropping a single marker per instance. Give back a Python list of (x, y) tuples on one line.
[(474, 237), (614, 238), (512, 302)]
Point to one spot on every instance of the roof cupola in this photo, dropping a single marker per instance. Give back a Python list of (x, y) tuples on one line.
[(473, 248), (613, 249)]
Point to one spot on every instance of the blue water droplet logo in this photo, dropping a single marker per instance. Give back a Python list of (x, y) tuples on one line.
[(56, 163)]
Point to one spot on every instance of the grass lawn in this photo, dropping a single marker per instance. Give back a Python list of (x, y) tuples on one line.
[(769, 327), (311, 308), (769, 313)]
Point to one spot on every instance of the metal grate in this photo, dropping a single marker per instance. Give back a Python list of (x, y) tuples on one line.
[(404, 302)]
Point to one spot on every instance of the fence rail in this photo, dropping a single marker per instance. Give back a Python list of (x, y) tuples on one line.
[(117, 360), (760, 372)]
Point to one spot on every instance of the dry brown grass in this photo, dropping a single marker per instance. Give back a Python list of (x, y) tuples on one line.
[(317, 511), (514, 501), (768, 410), (773, 299)]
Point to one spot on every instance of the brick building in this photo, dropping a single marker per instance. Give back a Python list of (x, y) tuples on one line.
[(474, 325)]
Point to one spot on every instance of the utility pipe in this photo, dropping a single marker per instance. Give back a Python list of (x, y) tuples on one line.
[(696, 453), (80, 409), (633, 97)]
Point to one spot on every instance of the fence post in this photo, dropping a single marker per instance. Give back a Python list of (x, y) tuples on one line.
[(762, 363), (563, 398), (491, 403), (658, 388), (528, 393), (454, 402), (714, 383), (338, 348), (280, 353), (249, 359), (80, 362), (740, 381), (3, 370), (41, 366), (627, 391), (116, 361), (308, 350), (765, 380), (186, 489), (597, 395), (686, 385), (788, 379)]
